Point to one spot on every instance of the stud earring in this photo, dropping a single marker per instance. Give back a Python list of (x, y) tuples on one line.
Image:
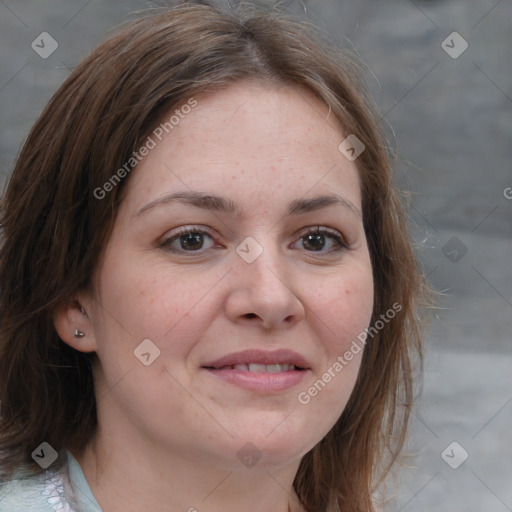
[(82, 310), (79, 334)]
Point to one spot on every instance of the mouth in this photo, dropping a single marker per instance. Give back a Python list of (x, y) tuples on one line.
[(260, 368), (260, 371)]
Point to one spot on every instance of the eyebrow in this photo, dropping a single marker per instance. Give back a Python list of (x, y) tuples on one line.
[(226, 205)]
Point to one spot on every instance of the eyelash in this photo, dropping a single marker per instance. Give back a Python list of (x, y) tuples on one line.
[(340, 244)]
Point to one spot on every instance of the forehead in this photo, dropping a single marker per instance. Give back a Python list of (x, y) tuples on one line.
[(246, 140)]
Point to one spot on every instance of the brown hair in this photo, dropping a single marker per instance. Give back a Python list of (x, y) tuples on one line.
[(55, 229)]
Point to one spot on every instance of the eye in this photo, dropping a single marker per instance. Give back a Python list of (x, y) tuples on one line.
[(315, 240), (191, 239)]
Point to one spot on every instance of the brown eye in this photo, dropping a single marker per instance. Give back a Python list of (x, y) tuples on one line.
[(316, 240), (186, 240), (191, 241)]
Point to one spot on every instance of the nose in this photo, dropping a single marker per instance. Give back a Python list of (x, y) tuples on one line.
[(264, 292)]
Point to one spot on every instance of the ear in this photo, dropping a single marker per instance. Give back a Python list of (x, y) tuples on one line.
[(74, 326)]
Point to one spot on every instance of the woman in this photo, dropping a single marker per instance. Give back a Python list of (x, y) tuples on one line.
[(208, 290)]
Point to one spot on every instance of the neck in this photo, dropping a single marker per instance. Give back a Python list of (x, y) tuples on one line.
[(146, 477)]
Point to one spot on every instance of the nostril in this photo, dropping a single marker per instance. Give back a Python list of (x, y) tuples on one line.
[(251, 315)]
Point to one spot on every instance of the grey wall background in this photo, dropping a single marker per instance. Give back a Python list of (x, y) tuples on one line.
[(452, 120)]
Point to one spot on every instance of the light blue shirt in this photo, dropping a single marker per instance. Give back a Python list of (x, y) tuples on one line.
[(64, 491)]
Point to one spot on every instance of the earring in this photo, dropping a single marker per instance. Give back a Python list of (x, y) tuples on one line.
[(82, 310), (79, 334)]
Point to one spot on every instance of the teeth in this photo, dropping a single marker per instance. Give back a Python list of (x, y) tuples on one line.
[(276, 368), (257, 368), (263, 368)]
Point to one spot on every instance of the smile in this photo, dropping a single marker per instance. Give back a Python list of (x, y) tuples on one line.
[(261, 368), (260, 371)]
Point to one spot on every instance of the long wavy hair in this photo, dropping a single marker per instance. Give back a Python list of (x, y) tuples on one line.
[(54, 229)]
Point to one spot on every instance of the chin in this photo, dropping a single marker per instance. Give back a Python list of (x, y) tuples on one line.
[(275, 443)]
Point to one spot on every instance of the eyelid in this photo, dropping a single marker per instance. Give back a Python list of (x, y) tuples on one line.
[(181, 231), (337, 237), (340, 243), (322, 230)]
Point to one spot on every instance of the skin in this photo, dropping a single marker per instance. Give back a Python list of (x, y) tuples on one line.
[(169, 432)]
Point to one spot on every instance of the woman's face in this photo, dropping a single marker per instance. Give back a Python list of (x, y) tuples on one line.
[(251, 290)]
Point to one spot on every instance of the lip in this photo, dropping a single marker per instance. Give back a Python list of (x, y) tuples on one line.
[(264, 383), (282, 356)]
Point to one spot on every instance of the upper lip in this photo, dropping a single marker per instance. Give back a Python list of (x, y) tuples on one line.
[(282, 356)]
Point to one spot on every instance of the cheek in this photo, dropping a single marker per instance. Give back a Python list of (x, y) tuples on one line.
[(167, 307), (148, 300), (345, 312), (347, 309)]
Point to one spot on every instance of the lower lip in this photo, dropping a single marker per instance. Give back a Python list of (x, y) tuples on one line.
[(260, 382)]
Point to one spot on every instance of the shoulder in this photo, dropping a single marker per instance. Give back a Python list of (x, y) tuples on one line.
[(42, 493), (63, 489), (23, 494)]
